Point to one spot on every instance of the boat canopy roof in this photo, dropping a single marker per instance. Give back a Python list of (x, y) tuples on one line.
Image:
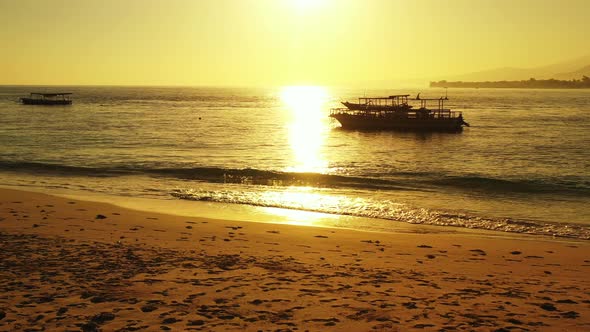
[(382, 98), (51, 94)]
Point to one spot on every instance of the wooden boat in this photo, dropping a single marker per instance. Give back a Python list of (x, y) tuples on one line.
[(395, 113), (37, 98)]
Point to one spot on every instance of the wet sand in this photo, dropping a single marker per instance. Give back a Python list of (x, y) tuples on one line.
[(69, 265)]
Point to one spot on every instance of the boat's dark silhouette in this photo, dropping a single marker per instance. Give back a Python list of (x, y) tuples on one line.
[(395, 113), (38, 98)]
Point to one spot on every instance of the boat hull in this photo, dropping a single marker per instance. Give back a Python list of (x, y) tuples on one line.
[(360, 122), (33, 101)]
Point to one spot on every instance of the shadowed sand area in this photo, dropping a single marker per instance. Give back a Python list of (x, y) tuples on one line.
[(77, 265)]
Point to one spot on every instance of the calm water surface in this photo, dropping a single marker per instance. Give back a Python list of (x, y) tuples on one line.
[(523, 166)]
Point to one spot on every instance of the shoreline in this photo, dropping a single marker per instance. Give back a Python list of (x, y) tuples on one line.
[(83, 265), (277, 215)]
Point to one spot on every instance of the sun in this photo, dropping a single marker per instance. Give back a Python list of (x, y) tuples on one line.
[(306, 4), (304, 100)]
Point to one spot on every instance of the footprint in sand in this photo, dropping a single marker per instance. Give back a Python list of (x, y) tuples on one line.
[(478, 252)]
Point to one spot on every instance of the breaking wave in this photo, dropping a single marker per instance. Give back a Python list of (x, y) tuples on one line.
[(576, 186), (382, 209)]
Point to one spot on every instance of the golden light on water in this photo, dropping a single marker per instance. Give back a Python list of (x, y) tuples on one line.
[(300, 217), (307, 127), (302, 198)]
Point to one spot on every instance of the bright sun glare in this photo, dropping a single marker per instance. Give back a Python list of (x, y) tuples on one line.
[(304, 100), (307, 129), (304, 3)]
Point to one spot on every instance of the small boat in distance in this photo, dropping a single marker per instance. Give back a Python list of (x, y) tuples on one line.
[(37, 98), (395, 113)]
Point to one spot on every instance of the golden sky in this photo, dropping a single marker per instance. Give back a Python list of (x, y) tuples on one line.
[(280, 42)]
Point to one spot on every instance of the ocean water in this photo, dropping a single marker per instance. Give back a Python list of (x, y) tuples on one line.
[(523, 166)]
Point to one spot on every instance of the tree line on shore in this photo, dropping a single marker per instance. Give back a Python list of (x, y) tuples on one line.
[(583, 83)]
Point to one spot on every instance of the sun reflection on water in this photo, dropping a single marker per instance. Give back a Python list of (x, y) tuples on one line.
[(298, 200), (307, 129)]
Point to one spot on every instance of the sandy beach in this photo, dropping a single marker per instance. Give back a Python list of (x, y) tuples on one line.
[(69, 265), (294, 165)]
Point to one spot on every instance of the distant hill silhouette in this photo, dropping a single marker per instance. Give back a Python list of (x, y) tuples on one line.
[(583, 83), (571, 74), (566, 70), (584, 71)]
